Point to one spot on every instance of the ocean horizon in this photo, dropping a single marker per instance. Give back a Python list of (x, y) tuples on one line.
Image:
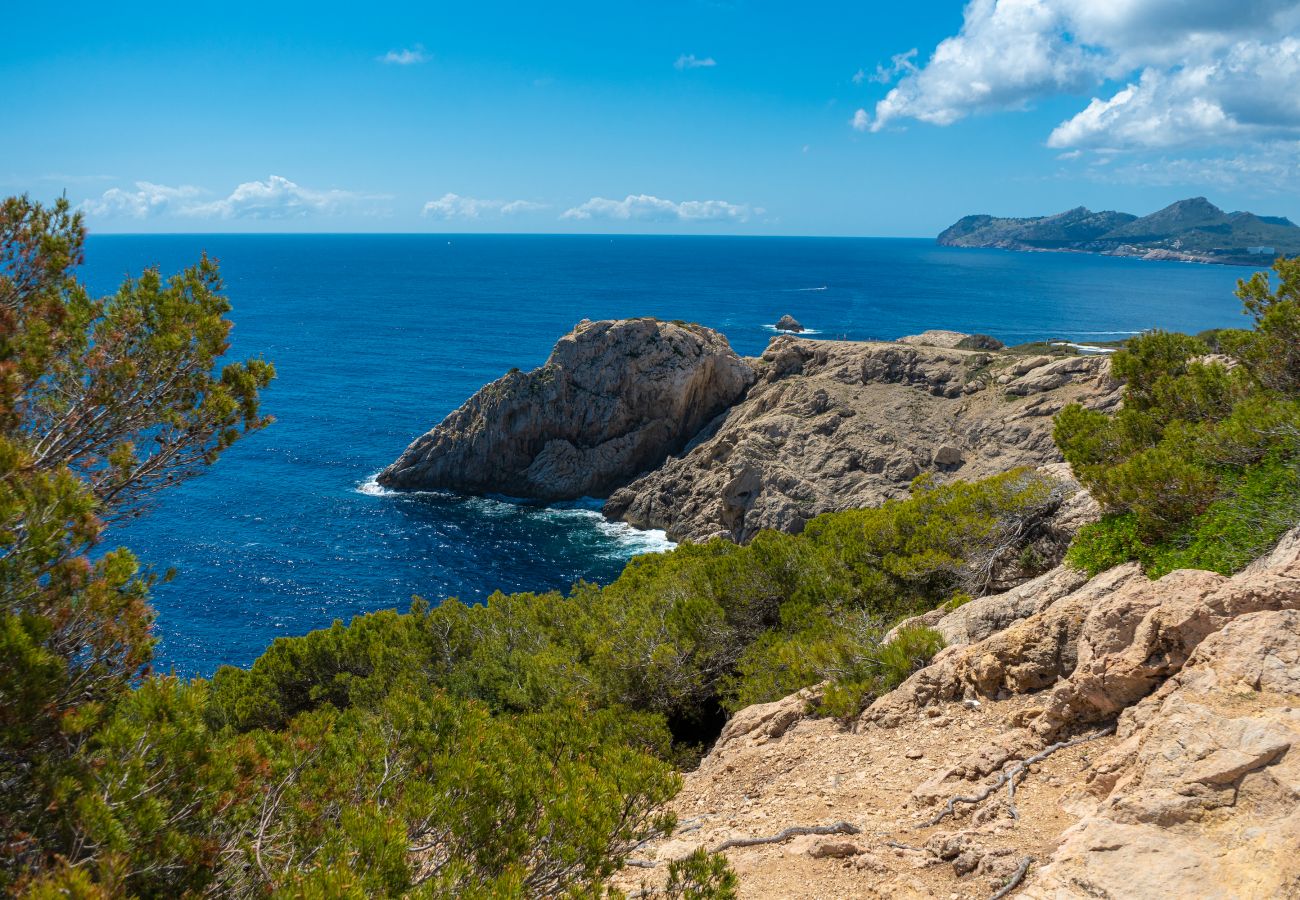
[(377, 337)]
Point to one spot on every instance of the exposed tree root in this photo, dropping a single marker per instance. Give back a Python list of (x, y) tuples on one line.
[(1016, 877), (1009, 776), (793, 831)]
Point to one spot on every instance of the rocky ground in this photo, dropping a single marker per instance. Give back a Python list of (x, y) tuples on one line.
[(833, 425), (1113, 737)]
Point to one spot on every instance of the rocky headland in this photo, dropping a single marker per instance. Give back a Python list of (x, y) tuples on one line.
[(613, 400), (1193, 230), (682, 434)]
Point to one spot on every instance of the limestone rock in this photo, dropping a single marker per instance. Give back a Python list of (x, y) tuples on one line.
[(1099, 649), (935, 337), (765, 721), (834, 425), (612, 401), (1203, 799), (788, 323)]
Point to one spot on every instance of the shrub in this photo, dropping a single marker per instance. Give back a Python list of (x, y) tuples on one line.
[(980, 342), (1199, 466)]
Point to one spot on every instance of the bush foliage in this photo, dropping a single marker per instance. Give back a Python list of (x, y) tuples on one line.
[(1201, 466)]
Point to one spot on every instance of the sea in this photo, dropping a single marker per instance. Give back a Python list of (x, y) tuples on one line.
[(376, 338)]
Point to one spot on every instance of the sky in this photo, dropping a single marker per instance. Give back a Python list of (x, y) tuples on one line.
[(680, 116)]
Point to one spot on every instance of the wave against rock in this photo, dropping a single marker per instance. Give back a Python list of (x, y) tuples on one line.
[(614, 399)]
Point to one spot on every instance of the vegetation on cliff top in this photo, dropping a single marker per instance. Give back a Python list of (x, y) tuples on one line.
[(1201, 466)]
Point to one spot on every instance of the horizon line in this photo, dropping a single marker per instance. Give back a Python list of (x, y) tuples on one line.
[(595, 234)]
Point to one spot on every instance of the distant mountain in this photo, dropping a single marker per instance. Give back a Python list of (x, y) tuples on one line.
[(1194, 230)]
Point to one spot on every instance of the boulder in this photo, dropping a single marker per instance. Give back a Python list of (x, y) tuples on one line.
[(788, 323), (614, 399)]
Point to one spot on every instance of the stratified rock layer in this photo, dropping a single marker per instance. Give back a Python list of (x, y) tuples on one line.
[(613, 400), (835, 425)]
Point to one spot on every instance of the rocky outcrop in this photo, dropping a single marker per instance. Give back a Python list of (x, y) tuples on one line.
[(788, 323), (613, 400), (1119, 738), (836, 425), (935, 337), (1201, 796)]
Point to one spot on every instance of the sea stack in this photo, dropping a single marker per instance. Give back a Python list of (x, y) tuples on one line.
[(789, 323), (614, 399)]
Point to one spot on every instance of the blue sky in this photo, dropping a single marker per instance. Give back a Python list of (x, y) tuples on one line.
[(701, 116)]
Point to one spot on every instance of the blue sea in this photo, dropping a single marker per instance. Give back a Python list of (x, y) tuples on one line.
[(377, 337)]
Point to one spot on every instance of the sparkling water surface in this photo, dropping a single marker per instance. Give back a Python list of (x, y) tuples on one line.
[(377, 337)]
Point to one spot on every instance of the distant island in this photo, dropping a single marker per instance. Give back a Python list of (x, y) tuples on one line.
[(1192, 230)]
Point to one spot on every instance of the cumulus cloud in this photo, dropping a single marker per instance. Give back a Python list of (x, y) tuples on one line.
[(454, 206), (1209, 66), (407, 56), (275, 198), (1251, 93), (147, 199), (646, 208), (861, 120), (691, 61)]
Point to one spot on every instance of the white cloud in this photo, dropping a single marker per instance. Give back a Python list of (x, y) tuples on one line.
[(691, 61), (899, 64), (1251, 93), (454, 206), (147, 199), (1012, 52), (275, 198), (861, 120), (407, 56), (646, 208)]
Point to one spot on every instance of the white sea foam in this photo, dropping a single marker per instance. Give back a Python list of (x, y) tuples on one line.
[(372, 488), (584, 514), (804, 333), (1084, 348), (804, 290)]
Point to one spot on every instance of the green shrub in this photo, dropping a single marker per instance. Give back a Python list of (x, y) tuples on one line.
[(700, 876), (1198, 468)]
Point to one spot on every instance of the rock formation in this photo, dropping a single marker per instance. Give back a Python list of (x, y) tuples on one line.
[(788, 323), (613, 400), (833, 425), (1113, 737)]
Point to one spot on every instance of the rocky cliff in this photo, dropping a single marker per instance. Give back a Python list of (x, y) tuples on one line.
[(612, 401), (681, 434), (836, 425), (1113, 737)]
